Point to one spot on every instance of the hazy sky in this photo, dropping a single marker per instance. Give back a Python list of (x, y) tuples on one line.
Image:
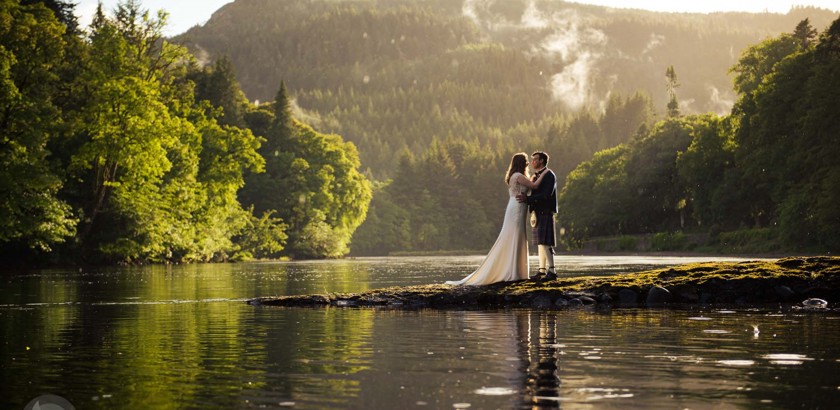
[(184, 14)]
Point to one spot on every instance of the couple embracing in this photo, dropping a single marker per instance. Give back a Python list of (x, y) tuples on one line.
[(508, 259)]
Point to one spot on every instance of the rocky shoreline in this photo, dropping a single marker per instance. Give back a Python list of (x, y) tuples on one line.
[(804, 282)]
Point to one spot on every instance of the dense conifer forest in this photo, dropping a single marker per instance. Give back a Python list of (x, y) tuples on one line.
[(393, 75)]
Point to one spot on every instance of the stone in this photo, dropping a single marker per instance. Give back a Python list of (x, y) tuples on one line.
[(575, 302), (658, 296), (686, 293), (541, 301), (604, 298), (785, 293), (586, 300), (628, 298), (815, 303)]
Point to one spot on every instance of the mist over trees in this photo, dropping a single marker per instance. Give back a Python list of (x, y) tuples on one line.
[(766, 173), (394, 75)]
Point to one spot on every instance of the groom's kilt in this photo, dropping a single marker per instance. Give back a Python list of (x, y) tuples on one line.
[(544, 231)]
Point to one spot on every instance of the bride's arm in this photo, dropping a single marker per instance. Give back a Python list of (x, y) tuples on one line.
[(527, 182)]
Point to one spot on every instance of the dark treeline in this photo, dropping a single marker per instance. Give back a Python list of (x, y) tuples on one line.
[(117, 147), (765, 175)]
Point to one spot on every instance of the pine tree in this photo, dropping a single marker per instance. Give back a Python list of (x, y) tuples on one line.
[(671, 88)]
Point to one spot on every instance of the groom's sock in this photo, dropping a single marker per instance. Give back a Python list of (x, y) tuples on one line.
[(542, 255), (548, 251), (549, 258)]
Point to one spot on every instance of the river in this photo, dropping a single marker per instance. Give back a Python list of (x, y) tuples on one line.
[(164, 337)]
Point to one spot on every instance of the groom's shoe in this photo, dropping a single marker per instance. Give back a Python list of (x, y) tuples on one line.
[(551, 275), (539, 275)]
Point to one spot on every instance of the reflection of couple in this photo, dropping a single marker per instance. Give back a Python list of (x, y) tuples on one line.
[(508, 259)]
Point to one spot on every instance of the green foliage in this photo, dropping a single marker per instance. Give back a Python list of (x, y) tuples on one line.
[(63, 11), (262, 238), (788, 142), (668, 241), (771, 164), (311, 182), (386, 228), (631, 189), (151, 152), (707, 169), (627, 243), (117, 140), (366, 76), (393, 75), (453, 197), (332, 196), (671, 87), (31, 45), (217, 84), (761, 240)]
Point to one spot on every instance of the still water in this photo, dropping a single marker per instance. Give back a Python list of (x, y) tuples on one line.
[(182, 337)]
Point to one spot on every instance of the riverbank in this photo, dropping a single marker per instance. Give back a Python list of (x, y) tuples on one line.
[(784, 281)]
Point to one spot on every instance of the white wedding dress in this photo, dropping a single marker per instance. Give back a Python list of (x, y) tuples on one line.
[(508, 258)]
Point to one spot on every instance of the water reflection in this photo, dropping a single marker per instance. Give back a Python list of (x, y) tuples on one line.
[(181, 337), (540, 350)]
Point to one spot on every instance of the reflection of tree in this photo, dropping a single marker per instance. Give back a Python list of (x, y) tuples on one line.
[(307, 277), (28, 333), (538, 347), (316, 355), (125, 335)]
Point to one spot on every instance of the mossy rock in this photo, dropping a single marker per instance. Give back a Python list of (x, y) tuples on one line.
[(751, 282)]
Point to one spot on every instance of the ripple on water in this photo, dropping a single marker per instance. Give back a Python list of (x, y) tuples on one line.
[(605, 393), (736, 362), (786, 359), (495, 391), (681, 359)]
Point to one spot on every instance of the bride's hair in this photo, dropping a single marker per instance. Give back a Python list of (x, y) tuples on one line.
[(519, 163)]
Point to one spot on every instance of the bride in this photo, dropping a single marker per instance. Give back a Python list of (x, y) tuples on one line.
[(508, 259)]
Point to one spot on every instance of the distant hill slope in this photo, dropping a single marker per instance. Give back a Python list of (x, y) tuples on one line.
[(394, 74)]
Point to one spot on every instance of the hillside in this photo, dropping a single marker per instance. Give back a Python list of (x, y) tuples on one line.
[(391, 75)]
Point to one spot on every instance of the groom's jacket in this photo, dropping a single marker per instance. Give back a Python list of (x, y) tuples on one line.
[(543, 200)]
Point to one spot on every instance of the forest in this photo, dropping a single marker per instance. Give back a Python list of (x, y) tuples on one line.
[(387, 126), (763, 174), (113, 153), (761, 179), (393, 75), (437, 95)]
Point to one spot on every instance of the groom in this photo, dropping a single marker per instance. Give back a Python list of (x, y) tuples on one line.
[(543, 203)]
